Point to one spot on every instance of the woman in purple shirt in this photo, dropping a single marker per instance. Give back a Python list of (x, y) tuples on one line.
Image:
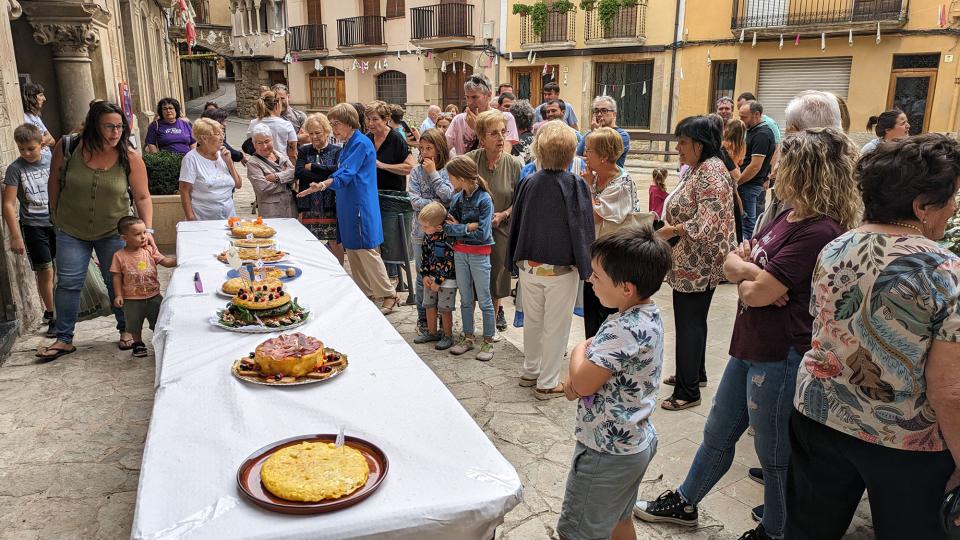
[(773, 327), (169, 132)]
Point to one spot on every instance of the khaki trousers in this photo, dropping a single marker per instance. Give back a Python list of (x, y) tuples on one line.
[(369, 273), (547, 311)]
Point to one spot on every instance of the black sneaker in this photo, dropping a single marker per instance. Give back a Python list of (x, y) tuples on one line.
[(756, 534), (421, 326), (669, 507), (501, 320), (757, 513), (756, 474)]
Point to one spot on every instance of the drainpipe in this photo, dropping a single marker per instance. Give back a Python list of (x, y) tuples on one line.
[(673, 61), (955, 102)]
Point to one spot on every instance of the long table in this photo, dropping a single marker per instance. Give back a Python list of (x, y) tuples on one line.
[(446, 479)]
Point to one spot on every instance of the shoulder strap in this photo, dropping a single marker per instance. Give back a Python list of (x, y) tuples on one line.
[(70, 142)]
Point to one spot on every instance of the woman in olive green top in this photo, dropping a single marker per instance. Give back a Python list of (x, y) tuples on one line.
[(85, 206), (501, 172)]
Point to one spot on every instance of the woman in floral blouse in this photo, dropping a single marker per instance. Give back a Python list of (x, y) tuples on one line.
[(699, 222), (878, 394)]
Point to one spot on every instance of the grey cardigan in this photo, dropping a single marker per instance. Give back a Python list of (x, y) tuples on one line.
[(274, 199)]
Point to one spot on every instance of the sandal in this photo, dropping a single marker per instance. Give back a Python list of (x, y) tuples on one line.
[(125, 344), (549, 393), (672, 381), (389, 304), (674, 404), (44, 355), (139, 349)]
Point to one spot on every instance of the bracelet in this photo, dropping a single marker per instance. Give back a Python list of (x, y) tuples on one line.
[(151, 231)]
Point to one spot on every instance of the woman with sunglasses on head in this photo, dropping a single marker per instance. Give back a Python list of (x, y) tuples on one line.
[(100, 163)]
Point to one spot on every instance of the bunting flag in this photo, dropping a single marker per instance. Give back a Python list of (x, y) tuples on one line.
[(454, 66), (429, 55), (534, 56), (623, 92), (754, 43), (644, 92), (604, 91), (386, 64), (545, 70), (317, 66), (796, 41), (942, 16), (553, 74), (850, 38), (709, 60), (510, 55), (781, 41), (743, 33), (530, 57), (878, 33), (398, 55), (443, 65), (823, 41)]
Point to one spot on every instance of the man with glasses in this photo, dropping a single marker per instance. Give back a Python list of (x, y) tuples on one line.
[(479, 94), (605, 115)]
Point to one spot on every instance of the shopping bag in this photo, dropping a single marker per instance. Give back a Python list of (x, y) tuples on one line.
[(94, 301)]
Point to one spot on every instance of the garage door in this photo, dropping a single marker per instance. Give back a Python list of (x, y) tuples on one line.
[(781, 80)]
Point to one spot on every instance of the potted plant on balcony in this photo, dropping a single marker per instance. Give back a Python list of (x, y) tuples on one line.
[(163, 179), (539, 11)]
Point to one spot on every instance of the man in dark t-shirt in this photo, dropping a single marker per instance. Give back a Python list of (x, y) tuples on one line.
[(755, 169)]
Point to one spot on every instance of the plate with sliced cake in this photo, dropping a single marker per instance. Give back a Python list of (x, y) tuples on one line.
[(290, 360)]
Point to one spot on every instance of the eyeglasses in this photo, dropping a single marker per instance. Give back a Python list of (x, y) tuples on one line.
[(112, 127), (602, 111), (498, 134), (334, 124)]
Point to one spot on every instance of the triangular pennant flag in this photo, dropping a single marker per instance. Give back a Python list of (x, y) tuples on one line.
[(534, 56), (644, 92), (604, 91), (398, 55), (377, 66), (623, 92), (530, 57), (878, 33), (443, 65), (709, 60), (823, 41), (797, 40), (754, 43), (545, 69), (553, 74), (742, 34), (429, 55), (409, 51), (386, 63), (850, 38), (454, 64), (781, 41), (510, 55), (317, 66)]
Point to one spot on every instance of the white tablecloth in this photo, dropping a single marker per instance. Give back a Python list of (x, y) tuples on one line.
[(446, 479)]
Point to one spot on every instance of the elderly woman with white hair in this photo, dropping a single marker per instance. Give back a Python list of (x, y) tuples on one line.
[(271, 174), (207, 175), (809, 109)]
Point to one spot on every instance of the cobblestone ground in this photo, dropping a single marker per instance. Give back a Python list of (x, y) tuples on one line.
[(72, 432)]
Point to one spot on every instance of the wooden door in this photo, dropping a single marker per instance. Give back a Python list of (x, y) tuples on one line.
[(452, 84), (528, 82), (313, 12), (911, 91)]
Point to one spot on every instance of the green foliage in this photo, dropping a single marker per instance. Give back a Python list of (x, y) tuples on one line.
[(521, 9), (951, 240), (163, 172), (587, 5), (538, 17), (540, 10), (607, 11), (561, 6)]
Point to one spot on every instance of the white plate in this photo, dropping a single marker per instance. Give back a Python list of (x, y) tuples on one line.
[(220, 292), (256, 328)]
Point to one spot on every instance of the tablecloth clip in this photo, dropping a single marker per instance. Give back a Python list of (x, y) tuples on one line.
[(194, 521)]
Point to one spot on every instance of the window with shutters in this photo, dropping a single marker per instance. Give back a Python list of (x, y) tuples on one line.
[(631, 86), (723, 79), (392, 87), (395, 8), (327, 88)]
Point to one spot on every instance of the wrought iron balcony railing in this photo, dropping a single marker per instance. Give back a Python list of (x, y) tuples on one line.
[(308, 37), (441, 21), (763, 14)]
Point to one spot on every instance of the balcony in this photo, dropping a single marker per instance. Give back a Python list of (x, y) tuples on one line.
[(559, 32), (628, 26), (361, 35), (442, 25), (811, 17), (310, 40)]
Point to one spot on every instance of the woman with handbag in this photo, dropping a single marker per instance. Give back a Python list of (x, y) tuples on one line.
[(271, 174), (99, 162), (698, 218), (615, 204)]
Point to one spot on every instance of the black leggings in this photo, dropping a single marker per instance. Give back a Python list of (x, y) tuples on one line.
[(593, 311), (690, 318), (829, 471)]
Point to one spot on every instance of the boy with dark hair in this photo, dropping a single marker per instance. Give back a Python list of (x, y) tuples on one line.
[(135, 284), (615, 376), (26, 181)]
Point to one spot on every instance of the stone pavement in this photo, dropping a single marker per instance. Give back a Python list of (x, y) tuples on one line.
[(72, 431)]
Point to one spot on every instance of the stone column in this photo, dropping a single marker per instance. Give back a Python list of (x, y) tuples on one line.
[(72, 44)]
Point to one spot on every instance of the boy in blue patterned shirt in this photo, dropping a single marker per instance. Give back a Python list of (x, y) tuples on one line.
[(615, 376)]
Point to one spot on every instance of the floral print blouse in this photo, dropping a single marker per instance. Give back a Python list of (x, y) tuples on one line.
[(703, 203), (879, 301)]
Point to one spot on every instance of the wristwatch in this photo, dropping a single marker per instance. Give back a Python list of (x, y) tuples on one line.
[(151, 231)]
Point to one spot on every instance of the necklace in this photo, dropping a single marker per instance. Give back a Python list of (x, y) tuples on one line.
[(907, 226)]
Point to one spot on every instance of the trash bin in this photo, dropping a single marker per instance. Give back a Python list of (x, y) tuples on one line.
[(396, 216)]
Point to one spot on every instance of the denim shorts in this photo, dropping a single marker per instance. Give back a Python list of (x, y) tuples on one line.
[(445, 300), (601, 491)]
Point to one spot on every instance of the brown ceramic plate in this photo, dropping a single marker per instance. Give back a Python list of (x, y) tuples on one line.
[(248, 476)]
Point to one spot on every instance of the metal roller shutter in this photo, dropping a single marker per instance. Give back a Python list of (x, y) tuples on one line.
[(781, 80)]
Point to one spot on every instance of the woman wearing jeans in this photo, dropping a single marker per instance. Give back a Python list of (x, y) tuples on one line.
[(772, 329), (101, 163)]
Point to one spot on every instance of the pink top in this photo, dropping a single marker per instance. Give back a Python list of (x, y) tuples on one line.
[(656, 198), (138, 272), (460, 137)]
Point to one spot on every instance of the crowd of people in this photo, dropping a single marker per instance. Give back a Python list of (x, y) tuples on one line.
[(848, 316)]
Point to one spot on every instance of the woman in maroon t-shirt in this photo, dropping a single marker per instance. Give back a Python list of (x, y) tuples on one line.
[(773, 325)]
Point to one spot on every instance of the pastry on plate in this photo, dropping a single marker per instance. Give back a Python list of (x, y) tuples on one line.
[(243, 229), (292, 355), (233, 286), (254, 254), (263, 304), (314, 471), (254, 242)]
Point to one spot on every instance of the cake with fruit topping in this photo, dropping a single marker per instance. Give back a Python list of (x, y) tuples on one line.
[(266, 304), (292, 355), (261, 296)]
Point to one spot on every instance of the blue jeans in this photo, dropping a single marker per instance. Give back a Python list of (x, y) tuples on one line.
[(474, 270), (418, 286), (759, 394), (73, 256), (750, 195)]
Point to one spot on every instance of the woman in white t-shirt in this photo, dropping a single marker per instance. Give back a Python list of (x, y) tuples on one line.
[(207, 175), (33, 100), (268, 114)]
